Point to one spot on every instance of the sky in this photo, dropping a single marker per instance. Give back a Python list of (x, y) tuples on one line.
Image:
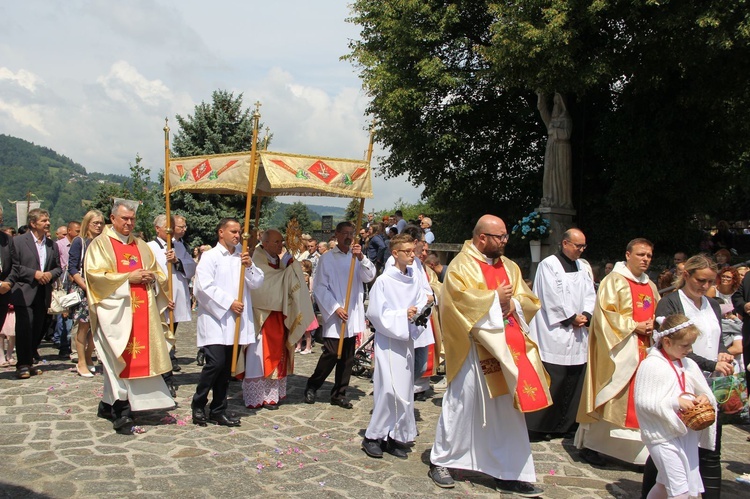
[(94, 79)]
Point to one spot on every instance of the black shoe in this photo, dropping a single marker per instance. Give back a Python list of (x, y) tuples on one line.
[(420, 396), (372, 448), (536, 436), (521, 489), (392, 448), (104, 411), (441, 476), (200, 359), (223, 420), (172, 390), (592, 457), (309, 396), (176, 367), (199, 416), (23, 372), (342, 402), (270, 407), (124, 425)]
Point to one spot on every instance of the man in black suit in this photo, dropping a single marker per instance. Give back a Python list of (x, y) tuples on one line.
[(7, 277), (38, 268)]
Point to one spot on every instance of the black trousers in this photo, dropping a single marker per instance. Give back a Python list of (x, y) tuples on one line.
[(328, 361), (709, 464), (31, 324), (214, 376), (566, 387)]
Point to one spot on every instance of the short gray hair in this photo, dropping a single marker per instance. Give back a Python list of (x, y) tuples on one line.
[(160, 220), (125, 203)]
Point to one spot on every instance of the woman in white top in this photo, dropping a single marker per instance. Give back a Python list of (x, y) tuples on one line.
[(708, 352)]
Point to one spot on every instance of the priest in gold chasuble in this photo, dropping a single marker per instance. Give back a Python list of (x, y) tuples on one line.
[(619, 335), (493, 369), (127, 320)]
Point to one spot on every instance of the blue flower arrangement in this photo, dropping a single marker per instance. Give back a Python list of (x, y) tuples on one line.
[(532, 227)]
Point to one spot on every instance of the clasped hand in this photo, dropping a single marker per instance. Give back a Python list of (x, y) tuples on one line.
[(141, 276)]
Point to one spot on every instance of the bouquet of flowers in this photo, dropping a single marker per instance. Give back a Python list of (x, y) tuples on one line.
[(532, 227)]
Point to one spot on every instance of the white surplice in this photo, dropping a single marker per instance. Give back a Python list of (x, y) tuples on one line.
[(217, 282), (180, 279), (393, 409), (563, 295), (329, 290), (427, 336), (476, 432)]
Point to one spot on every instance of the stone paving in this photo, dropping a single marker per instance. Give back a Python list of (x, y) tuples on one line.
[(53, 445)]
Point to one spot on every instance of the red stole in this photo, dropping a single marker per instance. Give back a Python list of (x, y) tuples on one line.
[(529, 389), (432, 354), (274, 342), (136, 355), (643, 309)]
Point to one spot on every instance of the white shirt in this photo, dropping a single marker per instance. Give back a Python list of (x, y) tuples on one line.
[(180, 280), (704, 318), (329, 289), (217, 281), (41, 250)]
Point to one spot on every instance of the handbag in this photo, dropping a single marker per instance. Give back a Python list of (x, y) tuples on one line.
[(62, 300)]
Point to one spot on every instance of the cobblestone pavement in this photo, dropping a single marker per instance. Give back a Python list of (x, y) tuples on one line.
[(53, 445)]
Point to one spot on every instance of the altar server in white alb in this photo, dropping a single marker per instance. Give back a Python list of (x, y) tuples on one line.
[(183, 270), (396, 299), (565, 287), (216, 288)]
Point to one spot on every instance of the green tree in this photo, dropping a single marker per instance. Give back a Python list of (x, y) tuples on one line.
[(299, 211), (351, 212), (221, 126), (657, 117)]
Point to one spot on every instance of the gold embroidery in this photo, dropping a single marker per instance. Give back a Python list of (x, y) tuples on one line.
[(490, 366), (135, 301), (130, 260), (134, 348), (529, 390), (515, 355)]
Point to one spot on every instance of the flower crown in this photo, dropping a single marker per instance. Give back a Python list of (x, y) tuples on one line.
[(657, 336)]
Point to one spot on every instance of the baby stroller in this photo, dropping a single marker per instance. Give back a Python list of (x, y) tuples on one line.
[(364, 358)]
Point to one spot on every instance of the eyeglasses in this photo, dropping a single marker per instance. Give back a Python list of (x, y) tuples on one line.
[(96, 223), (578, 246), (726, 278), (408, 252), (502, 237)]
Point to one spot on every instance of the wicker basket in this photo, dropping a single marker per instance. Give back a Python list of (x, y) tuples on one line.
[(700, 417)]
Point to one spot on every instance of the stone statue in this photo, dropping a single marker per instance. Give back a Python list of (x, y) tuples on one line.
[(557, 184)]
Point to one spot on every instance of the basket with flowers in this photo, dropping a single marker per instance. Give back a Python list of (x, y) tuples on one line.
[(532, 227)]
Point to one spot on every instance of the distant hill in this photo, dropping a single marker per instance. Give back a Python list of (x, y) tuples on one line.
[(63, 185)]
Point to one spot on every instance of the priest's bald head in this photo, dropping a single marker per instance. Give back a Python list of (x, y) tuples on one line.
[(490, 236), (273, 242), (573, 244)]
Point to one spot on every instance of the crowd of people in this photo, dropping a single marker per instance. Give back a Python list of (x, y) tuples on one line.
[(611, 361)]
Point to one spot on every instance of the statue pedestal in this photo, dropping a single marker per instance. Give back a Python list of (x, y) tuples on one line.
[(560, 219)]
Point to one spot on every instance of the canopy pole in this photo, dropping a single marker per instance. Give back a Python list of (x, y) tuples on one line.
[(169, 223), (246, 231), (342, 333)]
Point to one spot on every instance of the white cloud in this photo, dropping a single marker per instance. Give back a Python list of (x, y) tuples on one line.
[(124, 82), (25, 79), (25, 116)]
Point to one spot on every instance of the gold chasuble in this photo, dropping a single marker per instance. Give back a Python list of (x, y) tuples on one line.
[(129, 317), (509, 359), (615, 350), (282, 311)]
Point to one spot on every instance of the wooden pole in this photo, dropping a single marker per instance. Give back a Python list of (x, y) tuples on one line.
[(169, 222), (342, 333), (246, 231)]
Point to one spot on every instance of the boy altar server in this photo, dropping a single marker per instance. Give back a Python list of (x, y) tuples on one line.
[(395, 299)]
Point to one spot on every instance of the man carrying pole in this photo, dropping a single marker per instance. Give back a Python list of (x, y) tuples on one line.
[(330, 291)]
